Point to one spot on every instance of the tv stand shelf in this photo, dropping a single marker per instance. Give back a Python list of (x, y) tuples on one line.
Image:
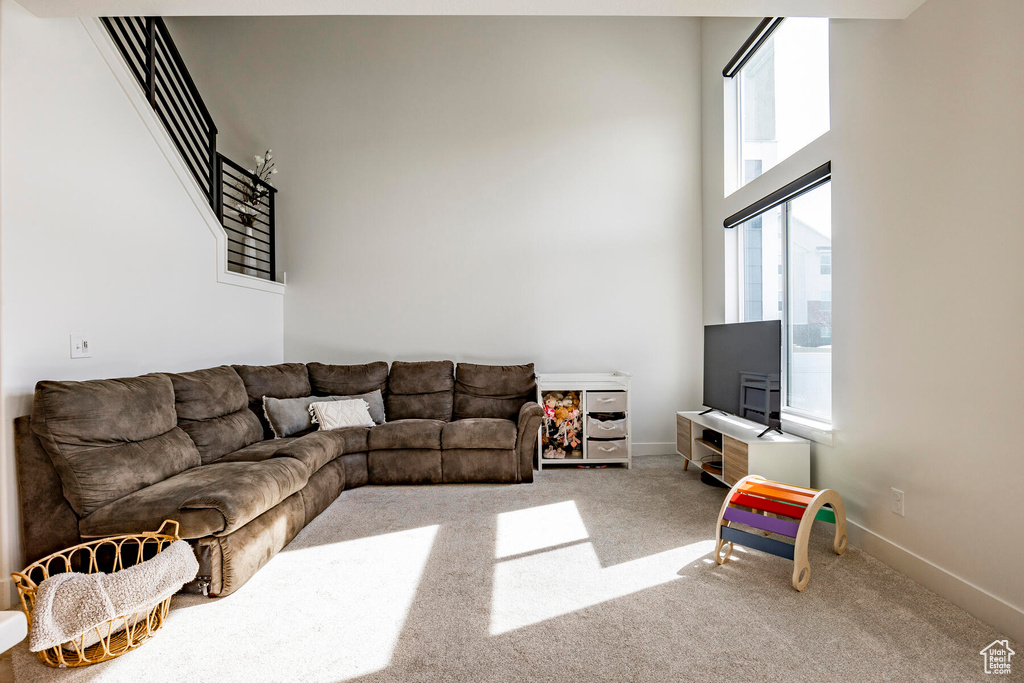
[(710, 446), (774, 456)]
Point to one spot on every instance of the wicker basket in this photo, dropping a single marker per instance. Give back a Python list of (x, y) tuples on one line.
[(110, 554)]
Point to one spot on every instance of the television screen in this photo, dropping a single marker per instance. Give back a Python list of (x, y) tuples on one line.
[(742, 370)]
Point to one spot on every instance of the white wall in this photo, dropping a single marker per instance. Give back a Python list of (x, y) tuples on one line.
[(99, 236), (481, 189), (461, 187), (927, 289)]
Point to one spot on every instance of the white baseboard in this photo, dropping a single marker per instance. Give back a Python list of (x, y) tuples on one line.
[(1006, 618), (654, 449)]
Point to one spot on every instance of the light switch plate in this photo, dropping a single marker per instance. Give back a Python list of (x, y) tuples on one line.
[(80, 346)]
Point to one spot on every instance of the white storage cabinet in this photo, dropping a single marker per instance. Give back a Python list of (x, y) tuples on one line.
[(607, 435)]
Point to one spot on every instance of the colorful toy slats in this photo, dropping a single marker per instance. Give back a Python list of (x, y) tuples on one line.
[(778, 493), (791, 510), (768, 505), (749, 540), (782, 527), (754, 502), (786, 487)]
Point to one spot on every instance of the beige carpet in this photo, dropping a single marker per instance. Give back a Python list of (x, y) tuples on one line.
[(586, 575)]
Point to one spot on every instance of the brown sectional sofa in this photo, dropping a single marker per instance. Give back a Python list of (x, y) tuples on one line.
[(104, 457)]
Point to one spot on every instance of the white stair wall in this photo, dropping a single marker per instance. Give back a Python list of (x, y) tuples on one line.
[(102, 231)]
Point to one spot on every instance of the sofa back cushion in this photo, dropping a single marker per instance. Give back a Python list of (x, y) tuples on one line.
[(213, 409), (420, 390), (347, 380), (493, 390), (286, 380), (109, 438)]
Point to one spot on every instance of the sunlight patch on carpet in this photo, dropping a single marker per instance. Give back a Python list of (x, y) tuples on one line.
[(322, 613), (373, 585), (531, 589), (540, 527)]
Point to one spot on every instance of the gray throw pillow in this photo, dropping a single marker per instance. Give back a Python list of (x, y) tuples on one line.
[(376, 401), (289, 416)]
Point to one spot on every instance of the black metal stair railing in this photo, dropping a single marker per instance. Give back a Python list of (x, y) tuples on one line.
[(243, 203), (246, 210)]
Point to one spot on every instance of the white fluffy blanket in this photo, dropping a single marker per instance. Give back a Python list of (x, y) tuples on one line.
[(70, 605)]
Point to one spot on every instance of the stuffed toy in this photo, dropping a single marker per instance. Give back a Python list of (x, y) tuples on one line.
[(551, 401), (561, 435), (561, 415)]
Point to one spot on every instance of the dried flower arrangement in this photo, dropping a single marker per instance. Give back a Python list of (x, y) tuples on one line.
[(251, 192)]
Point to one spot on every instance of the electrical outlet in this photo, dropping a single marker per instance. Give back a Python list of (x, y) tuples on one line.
[(80, 346), (896, 502)]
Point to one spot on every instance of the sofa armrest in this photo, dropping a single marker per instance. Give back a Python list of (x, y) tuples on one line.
[(48, 522), (530, 416)]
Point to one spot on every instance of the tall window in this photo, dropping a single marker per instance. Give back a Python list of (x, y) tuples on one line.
[(786, 258), (781, 95), (777, 102)]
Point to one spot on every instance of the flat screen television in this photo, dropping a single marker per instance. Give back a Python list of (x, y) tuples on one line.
[(743, 368)]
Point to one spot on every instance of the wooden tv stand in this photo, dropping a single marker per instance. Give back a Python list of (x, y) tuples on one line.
[(774, 456)]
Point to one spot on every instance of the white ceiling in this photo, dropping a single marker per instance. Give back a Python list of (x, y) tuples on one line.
[(851, 9)]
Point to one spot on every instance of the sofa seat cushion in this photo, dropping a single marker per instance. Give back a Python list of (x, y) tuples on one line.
[(402, 434), (493, 390), (421, 390), (213, 499), (481, 432), (108, 438), (312, 450), (349, 439), (259, 451)]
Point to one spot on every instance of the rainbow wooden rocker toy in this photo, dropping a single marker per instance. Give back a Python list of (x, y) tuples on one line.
[(749, 503)]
